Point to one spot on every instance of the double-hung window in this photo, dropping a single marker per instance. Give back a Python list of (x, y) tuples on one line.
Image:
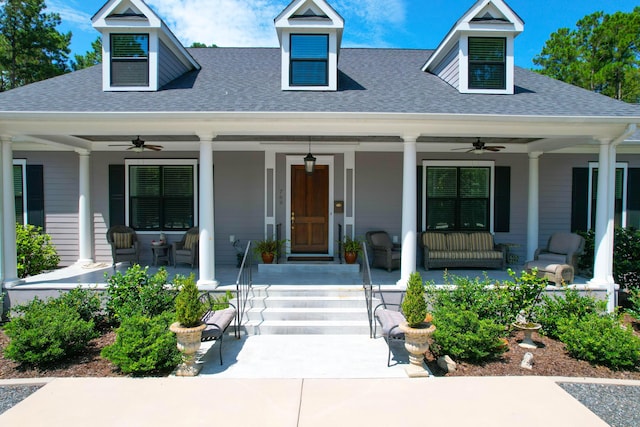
[(309, 60), (487, 63), (458, 198), (162, 196), (129, 59)]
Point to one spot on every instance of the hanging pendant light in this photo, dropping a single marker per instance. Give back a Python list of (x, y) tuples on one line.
[(309, 162)]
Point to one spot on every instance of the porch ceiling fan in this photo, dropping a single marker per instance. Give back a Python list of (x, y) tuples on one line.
[(139, 146), (479, 147)]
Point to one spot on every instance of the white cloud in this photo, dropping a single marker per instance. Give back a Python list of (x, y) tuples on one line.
[(236, 23), (240, 23), (70, 13)]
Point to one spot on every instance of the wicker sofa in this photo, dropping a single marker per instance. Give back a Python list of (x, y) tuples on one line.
[(462, 249)]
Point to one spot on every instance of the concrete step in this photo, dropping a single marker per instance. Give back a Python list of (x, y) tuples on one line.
[(306, 309), (315, 314), (307, 327)]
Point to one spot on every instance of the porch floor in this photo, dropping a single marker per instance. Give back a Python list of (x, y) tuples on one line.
[(94, 274)]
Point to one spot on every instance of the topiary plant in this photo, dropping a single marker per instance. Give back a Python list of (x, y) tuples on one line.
[(189, 308), (414, 305)]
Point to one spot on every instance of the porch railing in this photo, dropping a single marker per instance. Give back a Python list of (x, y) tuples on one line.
[(367, 285), (244, 282)]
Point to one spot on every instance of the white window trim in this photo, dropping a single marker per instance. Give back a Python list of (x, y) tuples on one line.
[(332, 60), (463, 82), (459, 163), (152, 60), (625, 184), (161, 162), (23, 164)]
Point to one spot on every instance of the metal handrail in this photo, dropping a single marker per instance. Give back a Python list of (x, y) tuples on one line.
[(244, 282), (367, 285)]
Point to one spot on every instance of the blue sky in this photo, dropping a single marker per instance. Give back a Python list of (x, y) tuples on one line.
[(420, 24)]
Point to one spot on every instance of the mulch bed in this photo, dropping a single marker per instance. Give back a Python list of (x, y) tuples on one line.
[(550, 359)]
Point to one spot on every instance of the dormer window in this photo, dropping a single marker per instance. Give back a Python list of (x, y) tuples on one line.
[(130, 60), (309, 60), (487, 62)]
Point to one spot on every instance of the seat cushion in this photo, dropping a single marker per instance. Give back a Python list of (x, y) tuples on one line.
[(388, 319), (122, 240), (458, 241), (550, 258), (190, 240), (480, 241), (216, 322), (434, 241), (563, 243), (381, 239)]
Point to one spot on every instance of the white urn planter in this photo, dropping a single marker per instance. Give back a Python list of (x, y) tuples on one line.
[(189, 340), (416, 341)]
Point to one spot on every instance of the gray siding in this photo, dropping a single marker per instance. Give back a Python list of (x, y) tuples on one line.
[(60, 199), (449, 70), (169, 66), (379, 193), (239, 201)]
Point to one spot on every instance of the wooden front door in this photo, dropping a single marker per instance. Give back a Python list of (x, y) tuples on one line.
[(310, 210)]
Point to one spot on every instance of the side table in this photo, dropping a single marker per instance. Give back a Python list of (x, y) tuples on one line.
[(160, 253)]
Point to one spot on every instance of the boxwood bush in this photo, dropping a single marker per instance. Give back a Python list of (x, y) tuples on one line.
[(35, 251), (44, 332), (600, 339), (144, 345)]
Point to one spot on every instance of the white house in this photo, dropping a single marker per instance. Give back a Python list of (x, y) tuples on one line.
[(235, 124)]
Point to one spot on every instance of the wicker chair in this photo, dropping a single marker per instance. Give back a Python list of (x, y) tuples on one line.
[(186, 250), (125, 245), (386, 254)]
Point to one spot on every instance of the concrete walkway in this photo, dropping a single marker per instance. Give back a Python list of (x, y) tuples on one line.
[(207, 401)]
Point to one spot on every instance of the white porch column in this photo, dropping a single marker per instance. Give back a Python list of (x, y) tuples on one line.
[(603, 244), (409, 206), (9, 262), (85, 229), (206, 260), (533, 214), (1, 220)]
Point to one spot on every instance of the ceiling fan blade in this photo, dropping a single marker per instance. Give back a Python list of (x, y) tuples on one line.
[(119, 145), (153, 147), (494, 149), (499, 147)]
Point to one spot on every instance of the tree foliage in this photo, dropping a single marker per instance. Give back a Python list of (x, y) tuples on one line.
[(601, 54), (90, 58), (31, 48)]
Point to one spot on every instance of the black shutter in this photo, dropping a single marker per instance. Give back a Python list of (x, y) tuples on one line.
[(35, 195), (419, 196), (502, 200), (116, 195), (633, 198), (579, 199)]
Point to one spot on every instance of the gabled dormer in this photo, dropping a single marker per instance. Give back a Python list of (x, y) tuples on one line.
[(310, 34), (139, 52), (477, 54)]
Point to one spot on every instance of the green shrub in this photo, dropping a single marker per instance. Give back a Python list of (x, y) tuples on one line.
[(217, 302), (634, 299), (462, 335), (600, 340), (498, 302), (137, 293), (44, 332), (35, 251), (144, 345), (414, 305), (569, 305), (86, 302), (189, 309), (626, 256)]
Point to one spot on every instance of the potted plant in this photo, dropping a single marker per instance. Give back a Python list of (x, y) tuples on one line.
[(351, 248), (268, 249), (188, 326), (417, 328)]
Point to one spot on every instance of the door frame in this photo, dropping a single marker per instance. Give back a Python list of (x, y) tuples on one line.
[(320, 160)]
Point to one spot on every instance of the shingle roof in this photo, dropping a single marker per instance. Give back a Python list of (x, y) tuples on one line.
[(370, 80)]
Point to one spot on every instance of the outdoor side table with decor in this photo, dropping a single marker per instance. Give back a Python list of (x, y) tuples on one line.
[(160, 253)]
